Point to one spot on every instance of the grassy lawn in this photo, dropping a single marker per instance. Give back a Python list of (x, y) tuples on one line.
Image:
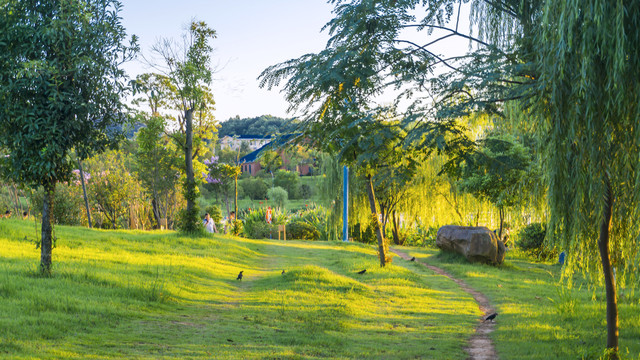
[(127, 294), (156, 295), (540, 319)]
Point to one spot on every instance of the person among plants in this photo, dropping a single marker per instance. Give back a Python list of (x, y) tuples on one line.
[(209, 224)]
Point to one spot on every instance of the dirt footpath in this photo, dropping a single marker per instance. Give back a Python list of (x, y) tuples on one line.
[(480, 346)]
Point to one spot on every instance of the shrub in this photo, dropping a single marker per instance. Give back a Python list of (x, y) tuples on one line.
[(421, 236), (279, 196), (366, 235), (68, 206), (306, 192), (302, 230), (255, 188), (531, 240), (288, 180), (215, 213), (309, 224), (237, 229), (255, 223)]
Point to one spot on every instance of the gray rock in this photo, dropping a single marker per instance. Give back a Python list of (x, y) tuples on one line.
[(477, 244)]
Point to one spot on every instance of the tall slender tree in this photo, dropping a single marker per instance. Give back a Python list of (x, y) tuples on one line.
[(60, 89), (186, 74)]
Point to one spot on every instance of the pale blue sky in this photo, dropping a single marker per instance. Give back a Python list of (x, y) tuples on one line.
[(252, 34)]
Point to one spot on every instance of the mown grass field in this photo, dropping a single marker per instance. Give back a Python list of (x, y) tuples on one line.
[(157, 295), (540, 318)]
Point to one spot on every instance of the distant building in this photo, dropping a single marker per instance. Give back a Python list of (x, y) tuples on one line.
[(234, 143), (250, 163)]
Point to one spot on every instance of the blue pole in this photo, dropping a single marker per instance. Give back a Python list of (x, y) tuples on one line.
[(345, 205)]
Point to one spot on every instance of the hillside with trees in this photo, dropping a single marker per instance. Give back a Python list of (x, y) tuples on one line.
[(261, 125)]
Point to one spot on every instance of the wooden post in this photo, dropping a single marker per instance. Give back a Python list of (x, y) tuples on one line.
[(282, 228)]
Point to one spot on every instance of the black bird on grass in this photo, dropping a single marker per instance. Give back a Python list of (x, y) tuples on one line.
[(282, 272), (413, 259), (240, 275), (362, 272), (491, 317)]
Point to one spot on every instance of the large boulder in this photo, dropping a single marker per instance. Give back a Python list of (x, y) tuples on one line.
[(477, 244)]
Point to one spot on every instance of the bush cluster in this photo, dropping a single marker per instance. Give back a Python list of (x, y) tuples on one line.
[(308, 225), (255, 188), (256, 226), (531, 240)]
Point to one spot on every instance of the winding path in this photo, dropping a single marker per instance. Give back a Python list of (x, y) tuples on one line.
[(480, 346)]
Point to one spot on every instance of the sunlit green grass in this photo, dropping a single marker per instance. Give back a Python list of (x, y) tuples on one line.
[(127, 294), (539, 318)]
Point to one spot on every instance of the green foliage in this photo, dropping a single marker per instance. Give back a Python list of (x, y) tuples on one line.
[(255, 188), (69, 205), (278, 195), (185, 87), (60, 89), (496, 171), (157, 165), (288, 180), (531, 239), (588, 104), (310, 224), (59, 71), (302, 230), (256, 226), (421, 236), (189, 218), (112, 187), (6, 202), (270, 161), (306, 191), (261, 126), (237, 228), (215, 213), (364, 235)]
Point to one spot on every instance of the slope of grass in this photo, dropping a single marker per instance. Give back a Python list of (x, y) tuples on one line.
[(158, 295), (539, 317)]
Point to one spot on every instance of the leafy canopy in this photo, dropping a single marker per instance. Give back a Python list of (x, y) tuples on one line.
[(60, 84)]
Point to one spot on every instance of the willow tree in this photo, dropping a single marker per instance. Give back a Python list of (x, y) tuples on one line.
[(60, 89), (590, 97)]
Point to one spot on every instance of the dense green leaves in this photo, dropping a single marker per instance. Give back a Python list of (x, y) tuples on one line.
[(60, 84), (261, 126), (60, 89), (590, 88)]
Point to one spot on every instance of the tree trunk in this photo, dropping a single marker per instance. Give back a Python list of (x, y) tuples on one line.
[(235, 201), (156, 213), (188, 151), (396, 236), (374, 217), (84, 193), (46, 244), (501, 212), (384, 218), (226, 201), (609, 280), (16, 199)]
